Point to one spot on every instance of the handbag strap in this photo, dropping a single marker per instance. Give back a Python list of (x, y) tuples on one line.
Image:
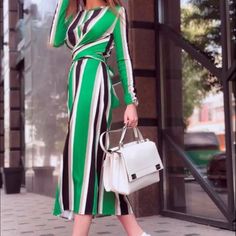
[(107, 141), (136, 131)]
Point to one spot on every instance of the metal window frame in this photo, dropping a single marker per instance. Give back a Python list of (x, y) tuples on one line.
[(225, 74)]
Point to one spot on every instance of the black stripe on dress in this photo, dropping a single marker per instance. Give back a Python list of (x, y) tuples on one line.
[(65, 183), (77, 76), (90, 194), (95, 13), (71, 34), (109, 44), (123, 205), (78, 69)]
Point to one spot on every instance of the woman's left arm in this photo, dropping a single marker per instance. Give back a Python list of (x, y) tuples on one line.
[(123, 59), (125, 68)]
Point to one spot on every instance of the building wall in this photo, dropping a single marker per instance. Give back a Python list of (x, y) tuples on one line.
[(12, 140), (42, 86)]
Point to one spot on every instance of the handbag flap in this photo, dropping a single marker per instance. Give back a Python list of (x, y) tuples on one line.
[(141, 159)]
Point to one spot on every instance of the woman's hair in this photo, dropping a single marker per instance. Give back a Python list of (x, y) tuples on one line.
[(74, 6)]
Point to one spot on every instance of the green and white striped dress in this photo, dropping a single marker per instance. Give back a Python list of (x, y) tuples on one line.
[(90, 35)]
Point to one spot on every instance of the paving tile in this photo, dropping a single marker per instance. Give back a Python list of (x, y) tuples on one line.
[(47, 234), (27, 232), (162, 231), (104, 232), (191, 234), (18, 220)]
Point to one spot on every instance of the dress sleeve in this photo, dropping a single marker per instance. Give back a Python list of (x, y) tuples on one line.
[(59, 24), (123, 57)]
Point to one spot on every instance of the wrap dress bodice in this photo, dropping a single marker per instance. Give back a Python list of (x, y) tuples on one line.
[(92, 34)]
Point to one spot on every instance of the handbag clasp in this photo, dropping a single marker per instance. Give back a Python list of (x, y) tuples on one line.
[(158, 166), (134, 176)]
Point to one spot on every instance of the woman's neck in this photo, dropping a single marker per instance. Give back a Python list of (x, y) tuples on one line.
[(94, 3)]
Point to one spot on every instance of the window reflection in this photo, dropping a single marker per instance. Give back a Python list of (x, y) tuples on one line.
[(200, 25), (45, 88), (39, 9), (203, 113), (193, 110)]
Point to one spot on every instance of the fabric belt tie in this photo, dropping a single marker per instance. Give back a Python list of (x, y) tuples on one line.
[(96, 57), (115, 100)]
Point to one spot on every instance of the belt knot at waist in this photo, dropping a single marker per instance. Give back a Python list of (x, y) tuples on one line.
[(96, 57)]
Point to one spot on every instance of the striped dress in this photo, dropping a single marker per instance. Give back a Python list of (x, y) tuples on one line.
[(90, 35)]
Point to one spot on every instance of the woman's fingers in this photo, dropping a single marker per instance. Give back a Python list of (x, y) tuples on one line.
[(126, 121), (130, 120), (130, 116), (134, 123)]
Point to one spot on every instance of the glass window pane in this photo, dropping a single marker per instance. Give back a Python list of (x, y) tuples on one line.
[(194, 119), (232, 89), (200, 25), (183, 193), (203, 115)]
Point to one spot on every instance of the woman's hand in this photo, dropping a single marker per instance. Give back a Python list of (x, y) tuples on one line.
[(130, 116)]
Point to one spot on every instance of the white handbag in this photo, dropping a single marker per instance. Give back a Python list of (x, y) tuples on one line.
[(131, 166)]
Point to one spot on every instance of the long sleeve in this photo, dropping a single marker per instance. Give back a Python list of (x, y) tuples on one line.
[(123, 58), (59, 24)]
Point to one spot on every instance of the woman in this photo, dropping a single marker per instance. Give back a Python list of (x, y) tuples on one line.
[(91, 29)]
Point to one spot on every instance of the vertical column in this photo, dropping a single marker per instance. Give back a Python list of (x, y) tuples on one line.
[(1, 90), (142, 48), (11, 86), (1, 125), (173, 107), (142, 39)]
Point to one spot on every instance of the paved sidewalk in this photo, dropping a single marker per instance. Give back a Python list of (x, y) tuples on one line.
[(29, 214)]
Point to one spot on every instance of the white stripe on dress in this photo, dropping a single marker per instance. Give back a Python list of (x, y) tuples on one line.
[(88, 156), (72, 132), (107, 113), (70, 159), (85, 46), (101, 108)]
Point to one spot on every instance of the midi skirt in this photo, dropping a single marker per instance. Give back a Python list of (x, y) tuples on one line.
[(80, 188)]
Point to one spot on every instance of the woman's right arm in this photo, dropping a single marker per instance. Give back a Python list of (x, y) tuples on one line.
[(59, 24)]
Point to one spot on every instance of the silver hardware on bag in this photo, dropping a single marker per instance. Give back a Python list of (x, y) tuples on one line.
[(137, 135), (131, 166)]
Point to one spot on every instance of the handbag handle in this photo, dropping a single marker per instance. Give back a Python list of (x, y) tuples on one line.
[(137, 134), (107, 141)]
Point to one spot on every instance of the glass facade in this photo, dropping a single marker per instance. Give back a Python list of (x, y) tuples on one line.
[(45, 89), (197, 54), (45, 98)]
